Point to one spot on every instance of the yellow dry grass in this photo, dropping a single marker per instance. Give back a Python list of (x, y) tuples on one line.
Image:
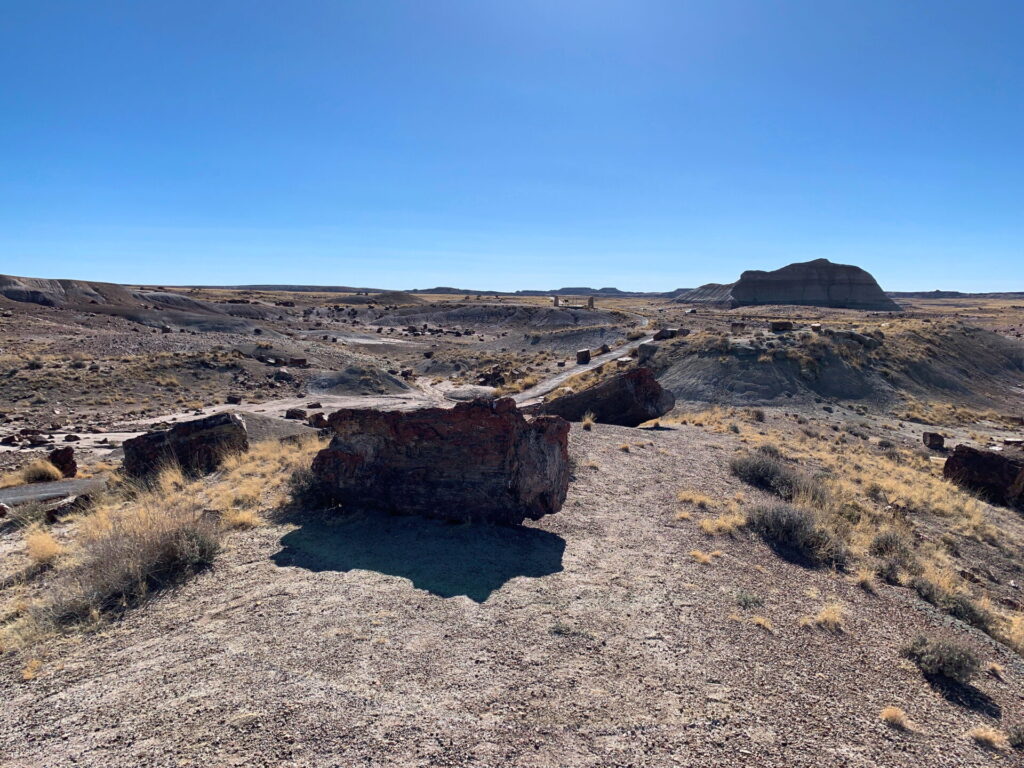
[(31, 670), (722, 525), (831, 617), (989, 738), (701, 557), (39, 471), (140, 538), (763, 622), (895, 717), (41, 547), (699, 500)]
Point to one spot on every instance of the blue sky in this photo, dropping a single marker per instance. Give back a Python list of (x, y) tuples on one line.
[(645, 144)]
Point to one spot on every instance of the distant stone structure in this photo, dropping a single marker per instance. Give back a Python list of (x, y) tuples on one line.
[(556, 301)]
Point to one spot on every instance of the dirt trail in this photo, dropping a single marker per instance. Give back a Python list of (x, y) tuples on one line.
[(535, 393)]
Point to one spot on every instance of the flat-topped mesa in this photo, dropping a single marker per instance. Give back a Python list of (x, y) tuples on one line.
[(479, 461), (818, 283)]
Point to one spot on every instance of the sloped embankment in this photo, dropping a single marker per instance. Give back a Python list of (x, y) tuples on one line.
[(927, 361)]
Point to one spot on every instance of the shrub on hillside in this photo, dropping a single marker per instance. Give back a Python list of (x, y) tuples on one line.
[(126, 553), (797, 535), (764, 469), (936, 657)]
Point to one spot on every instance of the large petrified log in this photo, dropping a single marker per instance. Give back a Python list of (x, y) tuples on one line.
[(197, 446), (626, 399), (997, 476), (480, 460)]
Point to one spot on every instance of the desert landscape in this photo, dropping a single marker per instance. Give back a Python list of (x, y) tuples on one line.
[(620, 384), (310, 526)]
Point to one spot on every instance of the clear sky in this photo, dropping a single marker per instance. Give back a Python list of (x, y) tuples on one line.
[(643, 144)]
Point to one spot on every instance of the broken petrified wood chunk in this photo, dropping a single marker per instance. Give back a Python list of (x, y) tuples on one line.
[(198, 446), (64, 460), (479, 461), (933, 441), (997, 476)]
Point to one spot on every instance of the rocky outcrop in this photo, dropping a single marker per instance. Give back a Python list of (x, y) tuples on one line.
[(627, 399), (998, 476), (197, 446), (478, 461), (818, 283)]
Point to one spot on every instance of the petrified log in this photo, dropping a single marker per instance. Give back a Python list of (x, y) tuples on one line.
[(626, 399), (997, 476), (478, 461), (197, 446), (64, 460)]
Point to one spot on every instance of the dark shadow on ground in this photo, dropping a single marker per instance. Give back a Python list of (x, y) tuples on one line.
[(965, 695), (443, 559)]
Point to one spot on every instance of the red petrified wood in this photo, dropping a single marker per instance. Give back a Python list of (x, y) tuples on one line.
[(480, 460)]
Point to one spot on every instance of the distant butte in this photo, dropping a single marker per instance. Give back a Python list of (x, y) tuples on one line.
[(818, 283)]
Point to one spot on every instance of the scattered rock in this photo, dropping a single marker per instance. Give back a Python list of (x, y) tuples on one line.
[(934, 441), (999, 476), (627, 399), (646, 351), (233, 399), (778, 326), (71, 438), (64, 460), (582, 356), (295, 413), (4, 510), (198, 446), (317, 420), (666, 333), (478, 461)]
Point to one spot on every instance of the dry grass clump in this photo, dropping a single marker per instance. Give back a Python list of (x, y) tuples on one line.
[(989, 738), (763, 622), (831, 617), (701, 557), (937, 657), (123, 554), (41, 547), (144, 539), (519, 385), (797, 535), (895, 718), (41, 471), (241, 519), (699, 500), (865, 579), (723, 525), (31, 670), (588, 420)]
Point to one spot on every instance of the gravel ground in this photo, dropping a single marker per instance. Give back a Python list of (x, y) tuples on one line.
[(590, 638)]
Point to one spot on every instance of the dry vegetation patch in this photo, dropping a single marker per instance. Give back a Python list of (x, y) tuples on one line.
[(141, 539)]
